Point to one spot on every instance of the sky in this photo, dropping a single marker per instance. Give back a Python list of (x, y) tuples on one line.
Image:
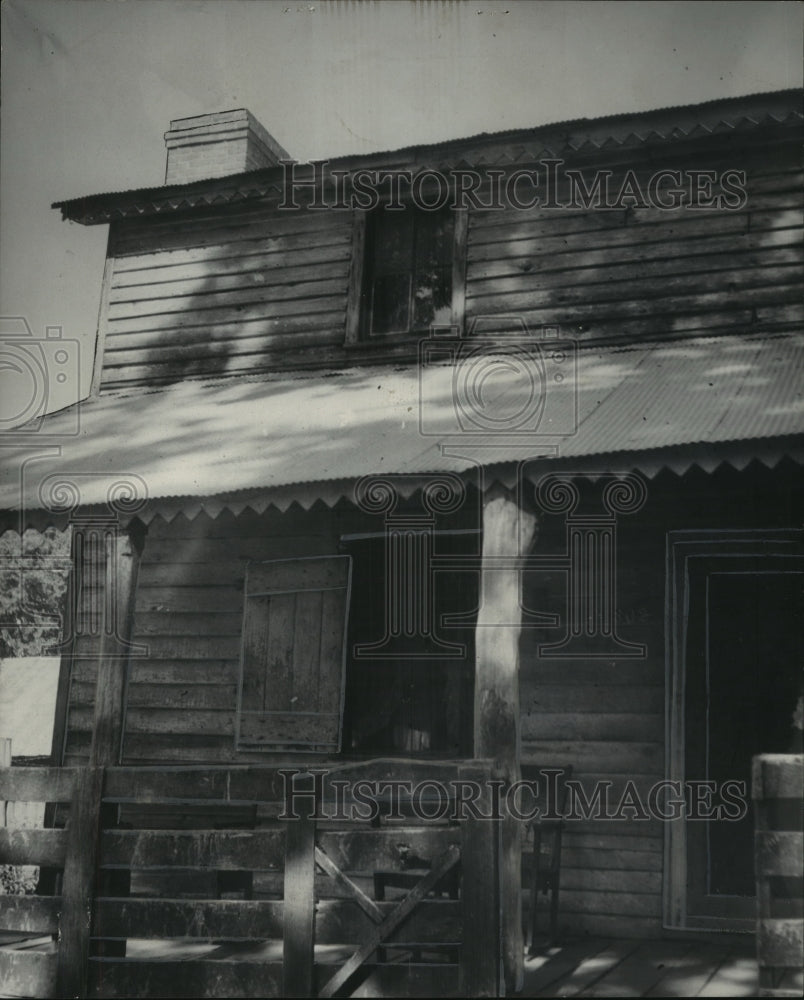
[(89, 87)]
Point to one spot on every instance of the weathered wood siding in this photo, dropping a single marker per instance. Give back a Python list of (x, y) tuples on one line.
[(250, 288), (646, 272), (181, 697), (606, 717), (222, 291)]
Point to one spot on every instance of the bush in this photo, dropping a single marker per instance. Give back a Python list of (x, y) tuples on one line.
[(34, 568), (18, 880)]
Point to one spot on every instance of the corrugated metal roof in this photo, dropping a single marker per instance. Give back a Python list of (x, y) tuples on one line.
[(304, 437), (555, 140)]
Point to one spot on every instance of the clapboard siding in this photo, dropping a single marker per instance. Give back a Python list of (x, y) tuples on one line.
[(223, 291), (645, 271), (243, 289), (220, 226), (509, 277), (180, 278), (610, 726), (605, 719), (613, 757), (181, 695)]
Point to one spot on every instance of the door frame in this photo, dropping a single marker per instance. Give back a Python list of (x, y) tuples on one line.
[(684, 546)]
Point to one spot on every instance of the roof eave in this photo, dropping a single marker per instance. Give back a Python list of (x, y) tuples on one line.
[(641, 129)]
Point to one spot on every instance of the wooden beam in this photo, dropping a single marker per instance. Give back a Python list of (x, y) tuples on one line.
[(65, 674), (507, 533), (461, 229), (399, 913), (363, 901), (79, 883), (299, 908), (480, 953), (32, 847), (103, 312), (123, 551), (5, 761), (355, 294)]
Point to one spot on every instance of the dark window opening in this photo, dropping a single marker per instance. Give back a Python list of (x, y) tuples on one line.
[(418, 704), (408, 271)]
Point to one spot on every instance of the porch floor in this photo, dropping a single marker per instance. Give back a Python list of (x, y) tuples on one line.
[(592, 967), (598, 967)]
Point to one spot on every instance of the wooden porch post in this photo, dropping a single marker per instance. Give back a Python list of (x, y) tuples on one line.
[(507, 531), (123, 551)]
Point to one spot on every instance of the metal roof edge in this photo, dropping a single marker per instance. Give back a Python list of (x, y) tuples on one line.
[(678, 460), (259, 183)]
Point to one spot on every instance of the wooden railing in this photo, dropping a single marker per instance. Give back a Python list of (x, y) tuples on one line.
[(30, 972), (188, 882), (778, 791)]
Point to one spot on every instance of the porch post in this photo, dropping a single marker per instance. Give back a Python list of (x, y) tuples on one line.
[(123, 548), (507, 532)]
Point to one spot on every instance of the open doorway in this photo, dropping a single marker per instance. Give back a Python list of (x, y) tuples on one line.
[(736, 686), (412, 695)]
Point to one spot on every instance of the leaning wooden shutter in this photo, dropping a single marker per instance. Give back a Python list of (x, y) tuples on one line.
[(293, 655)]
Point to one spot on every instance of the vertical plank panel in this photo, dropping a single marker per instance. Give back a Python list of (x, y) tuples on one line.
[(301, 605), (306, 652), (299, 908), (480, 952), (333, 629), (79, 880), (256, 640), (355, 292), (122, 556), (279, 674)]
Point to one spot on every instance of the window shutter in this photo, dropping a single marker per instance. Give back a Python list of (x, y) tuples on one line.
[(293, 654)]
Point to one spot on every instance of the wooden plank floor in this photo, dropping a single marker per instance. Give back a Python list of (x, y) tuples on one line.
[(597, 967), (592, 967)]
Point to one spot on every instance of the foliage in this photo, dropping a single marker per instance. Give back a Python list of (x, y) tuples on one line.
[(18, 880), (34, 568)]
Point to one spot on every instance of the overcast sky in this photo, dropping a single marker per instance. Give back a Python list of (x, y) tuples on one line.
[(89, 87)]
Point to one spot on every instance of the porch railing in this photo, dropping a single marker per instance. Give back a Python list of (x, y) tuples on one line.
[(194, 882), (778, 792)]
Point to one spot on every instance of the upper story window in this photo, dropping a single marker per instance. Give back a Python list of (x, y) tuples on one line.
[(408, 271), (407, 274)]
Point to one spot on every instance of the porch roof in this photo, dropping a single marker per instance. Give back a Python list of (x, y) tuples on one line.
[(308, 436)]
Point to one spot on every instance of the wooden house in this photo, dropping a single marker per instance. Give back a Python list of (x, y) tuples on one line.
[(510, 472)]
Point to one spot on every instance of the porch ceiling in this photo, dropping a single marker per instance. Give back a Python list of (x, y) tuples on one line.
[(308, 436)]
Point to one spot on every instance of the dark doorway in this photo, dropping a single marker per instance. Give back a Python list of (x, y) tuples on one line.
[(415, 696), (743, 682)]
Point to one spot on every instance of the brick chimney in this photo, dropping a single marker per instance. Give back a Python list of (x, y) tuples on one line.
[(227, 142)]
